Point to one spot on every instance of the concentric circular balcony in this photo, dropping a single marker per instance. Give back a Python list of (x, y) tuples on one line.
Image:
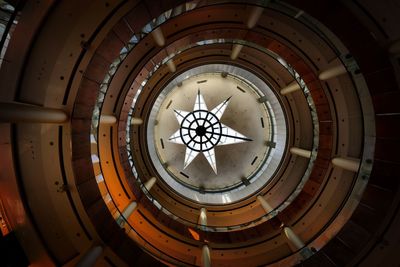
[(201, 133)]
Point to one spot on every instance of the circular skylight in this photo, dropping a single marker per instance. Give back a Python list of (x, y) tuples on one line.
[(216, 137)]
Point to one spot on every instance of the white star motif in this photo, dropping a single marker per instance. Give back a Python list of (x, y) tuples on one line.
[(201, 130)]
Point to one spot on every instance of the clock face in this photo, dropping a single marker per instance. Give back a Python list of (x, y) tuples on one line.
[(210, 135)]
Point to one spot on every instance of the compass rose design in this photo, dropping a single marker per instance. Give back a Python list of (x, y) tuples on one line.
[(201, 130)]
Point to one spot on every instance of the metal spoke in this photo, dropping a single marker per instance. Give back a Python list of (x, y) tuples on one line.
[(233, 136)]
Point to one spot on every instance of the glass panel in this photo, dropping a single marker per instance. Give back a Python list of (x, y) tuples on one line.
[(230, 136), (210, 156), (190, 155), (200, 103), (218, 111), (180, 115), (176, 138)]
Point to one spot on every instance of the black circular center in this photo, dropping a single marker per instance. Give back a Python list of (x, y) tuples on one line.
[(201, 130)]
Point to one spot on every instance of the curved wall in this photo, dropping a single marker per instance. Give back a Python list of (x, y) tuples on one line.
[(65, 187)]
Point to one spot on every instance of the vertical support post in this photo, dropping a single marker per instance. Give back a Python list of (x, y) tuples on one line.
[(255, 15), (90, 257), (203, 217), (136, 121), (347, 164), (236, 48), (205, 256), (292, 238), (296, 243), (300, 152), (17, 112), (332, 72), (158, 36), (293, 87), (108, 119), (149, 184), (171, 65), (264, 204), (126, 213)]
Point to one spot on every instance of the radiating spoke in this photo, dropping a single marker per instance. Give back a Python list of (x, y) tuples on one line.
[(180, 115), (188, 128), (205, 119), (219, 110), (238, 139), (176, 138), (211, 125), (190, 155), (230, 136), (200, 104), (210, 156)]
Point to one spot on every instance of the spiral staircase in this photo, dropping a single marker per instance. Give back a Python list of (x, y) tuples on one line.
[(88, 176)]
